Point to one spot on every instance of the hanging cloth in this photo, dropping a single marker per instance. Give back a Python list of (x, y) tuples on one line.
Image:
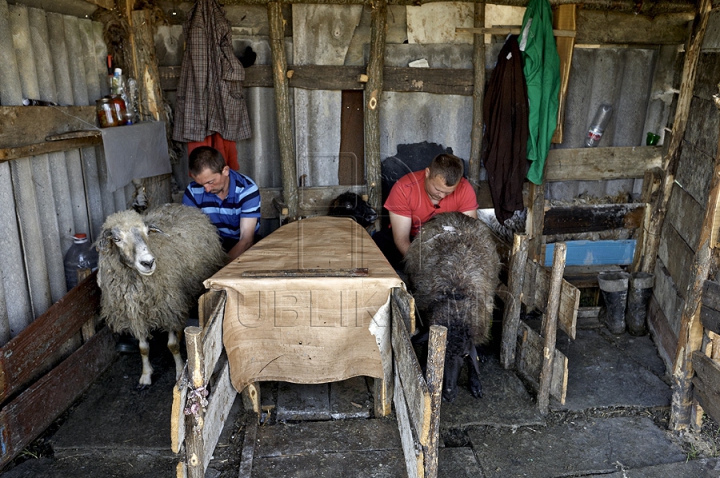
[(542, 76), (210, 96), (227, 148), (505, 111)]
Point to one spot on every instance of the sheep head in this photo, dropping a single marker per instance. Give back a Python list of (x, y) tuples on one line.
[(126, 235), (352, 205)]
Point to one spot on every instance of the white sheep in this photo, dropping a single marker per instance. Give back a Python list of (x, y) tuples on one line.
[(151, 270)]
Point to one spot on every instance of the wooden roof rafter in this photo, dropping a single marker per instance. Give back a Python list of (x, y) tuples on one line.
[(628, 6)]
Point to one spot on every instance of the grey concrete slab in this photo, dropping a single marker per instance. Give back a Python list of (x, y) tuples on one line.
[(505, 402), (359, 464), (327, 437), (703, 468), (303, 402), (350, 399), (640, 349), (114, 419), (458, 463), (601, 375), (140, 465), (578, 449)]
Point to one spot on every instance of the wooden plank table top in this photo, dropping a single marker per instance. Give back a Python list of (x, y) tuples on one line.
[(308, 328)]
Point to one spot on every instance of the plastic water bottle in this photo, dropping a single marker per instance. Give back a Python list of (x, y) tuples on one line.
[(597, 128), (80, 260)]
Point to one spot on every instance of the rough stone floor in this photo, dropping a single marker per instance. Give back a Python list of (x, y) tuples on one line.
[(613, 424)]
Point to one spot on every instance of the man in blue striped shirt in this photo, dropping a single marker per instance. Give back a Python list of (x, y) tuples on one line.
[(230, 199)]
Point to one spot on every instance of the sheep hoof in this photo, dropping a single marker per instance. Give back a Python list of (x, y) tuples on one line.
[(449, 395), (142, 387)]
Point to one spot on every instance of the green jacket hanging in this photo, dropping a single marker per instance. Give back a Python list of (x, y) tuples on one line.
[(542, 75)]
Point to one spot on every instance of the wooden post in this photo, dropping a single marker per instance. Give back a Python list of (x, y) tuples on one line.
[(434, 374), (251, 398), (513, 302), (373, 92), (691, 330), (564, 19), (536, 221), (478, 97), (682, 111), (194, 422), (282, 107), (145, 70), (651, 182), (549, 326)]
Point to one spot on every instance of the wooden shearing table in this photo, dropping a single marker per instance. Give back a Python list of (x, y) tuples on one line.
[(321, 319)]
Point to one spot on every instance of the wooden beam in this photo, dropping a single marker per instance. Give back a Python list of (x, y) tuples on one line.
[(511, 316), (282, 107), (572, 219), (564, 18), (690, 337), (478, 92), (435, 369), (413, 384), (711, 294), (529, 361), (612, 27), (30, 352), (628, 6), (444, 81), (549, 327), (28, 415), (592, 164), (194, 422), (707, 383), (535, 220), (682, 111), (31, 125), (150, 97), (218, 409), (106, 4), (514, 30), (651, 183), (356, 272), (373, 93), (8, 154)]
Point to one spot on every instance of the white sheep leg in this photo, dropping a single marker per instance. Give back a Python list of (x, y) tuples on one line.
[(174, 346), (145, 378)]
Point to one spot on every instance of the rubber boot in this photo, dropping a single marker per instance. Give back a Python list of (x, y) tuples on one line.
[(614, 287), (639, 292)]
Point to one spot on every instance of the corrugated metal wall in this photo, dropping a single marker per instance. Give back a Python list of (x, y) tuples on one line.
[(637, 82), (46, 199)]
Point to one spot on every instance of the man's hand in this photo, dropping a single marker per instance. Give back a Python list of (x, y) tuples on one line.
[(401, 227), (247, 234), (472, 213)]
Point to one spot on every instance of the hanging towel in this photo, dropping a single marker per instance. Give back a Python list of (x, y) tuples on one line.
[(505, 112), (210, 96), (542, 76), (227, 148)]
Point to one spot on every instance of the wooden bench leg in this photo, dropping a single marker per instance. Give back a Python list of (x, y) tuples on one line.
[(251, 398)]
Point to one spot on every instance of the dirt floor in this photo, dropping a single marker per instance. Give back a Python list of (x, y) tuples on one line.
[(118, 432)]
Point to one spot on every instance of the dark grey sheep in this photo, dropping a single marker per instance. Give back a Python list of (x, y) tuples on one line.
[(454, 267), (151, 270)]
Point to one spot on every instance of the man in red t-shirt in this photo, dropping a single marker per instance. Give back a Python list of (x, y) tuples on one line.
[(417, 197)]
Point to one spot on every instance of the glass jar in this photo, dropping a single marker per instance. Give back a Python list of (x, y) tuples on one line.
[(118, 105), (106, 113)]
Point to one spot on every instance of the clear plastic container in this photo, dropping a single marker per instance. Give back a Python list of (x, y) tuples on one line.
[(80, 260), (597, 127)]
